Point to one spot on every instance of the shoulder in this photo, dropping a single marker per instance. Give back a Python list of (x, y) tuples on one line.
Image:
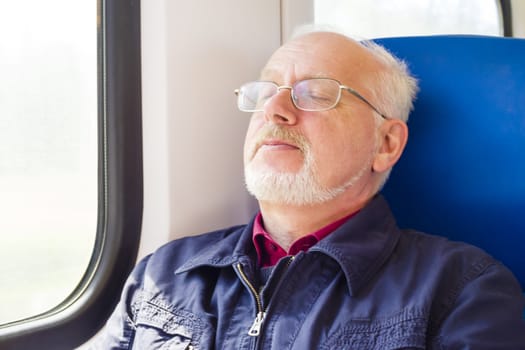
[(445, 268), (468, 286), (191, 244), (175, 253), (158, 268), (450, 265), (444, 252)]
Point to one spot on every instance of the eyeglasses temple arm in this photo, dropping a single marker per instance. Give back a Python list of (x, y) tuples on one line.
[(358, 95)]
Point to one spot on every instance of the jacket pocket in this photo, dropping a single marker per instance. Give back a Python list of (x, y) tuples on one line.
[(406, 330), (160, 327)]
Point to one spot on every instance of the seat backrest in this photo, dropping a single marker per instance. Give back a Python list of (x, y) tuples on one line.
[(462, 174)]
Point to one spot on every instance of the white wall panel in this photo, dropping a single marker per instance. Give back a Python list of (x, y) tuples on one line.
[(518, 18), (195, 53), (155, 224), (295, 13)]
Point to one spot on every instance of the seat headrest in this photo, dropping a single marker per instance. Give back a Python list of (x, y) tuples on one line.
[(462, 174)]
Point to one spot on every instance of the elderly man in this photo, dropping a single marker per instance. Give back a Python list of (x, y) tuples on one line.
[(323, 265)]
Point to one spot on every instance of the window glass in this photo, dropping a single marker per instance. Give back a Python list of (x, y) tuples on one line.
[(387, 18), (48, 151)]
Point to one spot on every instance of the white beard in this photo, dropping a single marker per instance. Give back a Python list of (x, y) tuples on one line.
[(299, 189)]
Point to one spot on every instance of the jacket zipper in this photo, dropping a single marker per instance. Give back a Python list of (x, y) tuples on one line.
[(255, 329)]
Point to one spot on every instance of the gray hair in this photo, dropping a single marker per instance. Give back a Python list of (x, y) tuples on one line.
[(394, 88)]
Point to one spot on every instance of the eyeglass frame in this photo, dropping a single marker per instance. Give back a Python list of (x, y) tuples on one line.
[(291, 88)]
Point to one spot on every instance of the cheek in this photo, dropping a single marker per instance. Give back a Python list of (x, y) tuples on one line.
[(343, 149), (254, 125)]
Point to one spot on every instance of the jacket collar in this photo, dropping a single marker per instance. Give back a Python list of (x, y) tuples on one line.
[(234, 247), (363, 244), (360, 246)]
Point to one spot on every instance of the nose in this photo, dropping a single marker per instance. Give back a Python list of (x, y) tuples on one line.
[(279, 109)]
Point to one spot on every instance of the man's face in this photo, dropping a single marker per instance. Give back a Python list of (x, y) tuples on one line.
[(297, 157)]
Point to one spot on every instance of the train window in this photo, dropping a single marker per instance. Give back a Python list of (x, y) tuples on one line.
[(386, 18), (70, 166), (48, 152)]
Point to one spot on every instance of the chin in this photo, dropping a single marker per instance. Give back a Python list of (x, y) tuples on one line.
[(299, 189)]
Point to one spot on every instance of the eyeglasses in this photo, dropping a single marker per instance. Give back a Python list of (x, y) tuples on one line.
[(311, 95)]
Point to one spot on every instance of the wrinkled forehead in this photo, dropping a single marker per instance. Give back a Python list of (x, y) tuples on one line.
[(320, 55)]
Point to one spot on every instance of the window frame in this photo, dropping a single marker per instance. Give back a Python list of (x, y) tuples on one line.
[(120, 191), (505, 10)]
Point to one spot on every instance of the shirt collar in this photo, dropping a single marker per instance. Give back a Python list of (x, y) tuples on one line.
[(269, 252)]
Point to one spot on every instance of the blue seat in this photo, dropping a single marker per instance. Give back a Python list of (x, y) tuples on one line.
[(463, 172)]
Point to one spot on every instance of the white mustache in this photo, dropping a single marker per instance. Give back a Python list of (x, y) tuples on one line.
[(282, 134)]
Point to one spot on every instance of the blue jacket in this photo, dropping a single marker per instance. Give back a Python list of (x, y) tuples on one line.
[(368, 285)]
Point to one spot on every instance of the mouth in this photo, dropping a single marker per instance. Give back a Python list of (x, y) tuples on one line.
[(277, 144), (268, 146), (278, 140)]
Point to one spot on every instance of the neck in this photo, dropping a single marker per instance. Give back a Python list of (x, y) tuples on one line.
[(286, 223)]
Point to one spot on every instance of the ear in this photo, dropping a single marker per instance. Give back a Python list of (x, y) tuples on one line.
[(393, 136)]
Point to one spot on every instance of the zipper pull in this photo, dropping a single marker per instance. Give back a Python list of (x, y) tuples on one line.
[(255, 330)]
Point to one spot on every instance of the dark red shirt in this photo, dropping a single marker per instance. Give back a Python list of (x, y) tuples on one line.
[(269, 252)]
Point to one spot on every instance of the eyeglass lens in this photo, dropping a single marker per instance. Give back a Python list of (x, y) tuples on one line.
[(316, 94), (309, 94)]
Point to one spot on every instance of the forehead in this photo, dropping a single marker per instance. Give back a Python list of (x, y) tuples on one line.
[(319, 55)]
